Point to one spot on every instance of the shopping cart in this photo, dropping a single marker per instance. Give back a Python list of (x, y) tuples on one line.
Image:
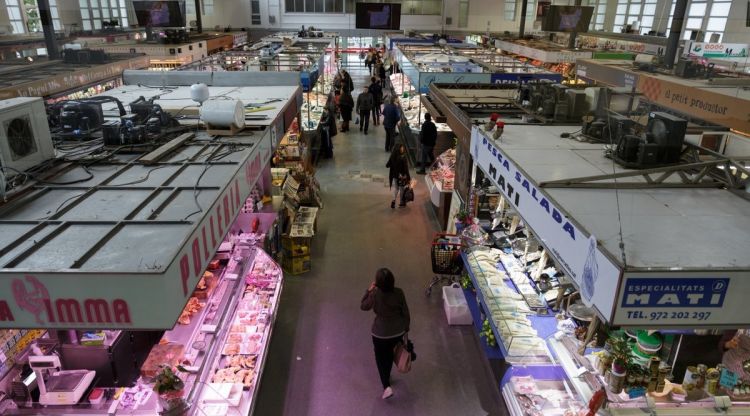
[(445, 253)]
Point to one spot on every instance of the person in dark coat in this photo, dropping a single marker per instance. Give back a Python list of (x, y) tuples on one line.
[(381, 74), (398, 175), (377, 97), (365, 102), (427, 138), (346, 105), (391, 323), (391, 117), (346, 82)]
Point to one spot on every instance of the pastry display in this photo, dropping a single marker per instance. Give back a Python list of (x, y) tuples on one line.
[(193, 306)]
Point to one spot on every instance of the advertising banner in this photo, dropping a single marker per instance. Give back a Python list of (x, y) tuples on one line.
[(689, 299), (108, 299), (508, 78), (703, 103), (718, 50), (576, 251)]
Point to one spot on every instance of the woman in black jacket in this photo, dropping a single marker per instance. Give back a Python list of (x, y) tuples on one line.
[(391, 322), (398, 175), (346, 105)]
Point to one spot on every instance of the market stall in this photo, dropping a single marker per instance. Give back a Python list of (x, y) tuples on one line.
[(588, 303), (176, 233)]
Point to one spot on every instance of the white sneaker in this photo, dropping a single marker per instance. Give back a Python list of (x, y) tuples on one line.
[(388, 392)]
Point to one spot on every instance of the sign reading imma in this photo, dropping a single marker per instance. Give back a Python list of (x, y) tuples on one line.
[(669, 293)]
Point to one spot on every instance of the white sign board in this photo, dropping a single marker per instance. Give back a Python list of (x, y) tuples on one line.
[(683, 299), (718, 50), (576, 251)]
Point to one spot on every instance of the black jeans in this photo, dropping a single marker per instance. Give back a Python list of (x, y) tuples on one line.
[(427, 156), (376, 114), (364, 119), (384, 357)]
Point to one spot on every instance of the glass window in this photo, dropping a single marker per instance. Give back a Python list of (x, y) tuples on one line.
[(319, 6), (694, 23), (96, 13), (97, 24), (329, 6), (717, 24), (289, 6), (720, 9), (622, 8), (309, 6), (697, 9), (649, 9), (299, 6), (619, 19), (647, 21), (86, 25), (635, 9)]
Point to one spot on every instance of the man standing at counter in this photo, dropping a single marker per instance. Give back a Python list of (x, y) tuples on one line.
[(428, 138)]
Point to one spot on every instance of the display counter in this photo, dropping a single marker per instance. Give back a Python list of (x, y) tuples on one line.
[(439, 180)]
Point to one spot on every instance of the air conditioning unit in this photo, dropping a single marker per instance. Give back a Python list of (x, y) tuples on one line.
[(25, 139)]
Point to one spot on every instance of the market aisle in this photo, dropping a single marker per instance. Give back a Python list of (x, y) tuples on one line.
[(321, 360)]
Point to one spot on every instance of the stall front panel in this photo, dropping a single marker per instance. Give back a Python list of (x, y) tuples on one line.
[(135, 269)]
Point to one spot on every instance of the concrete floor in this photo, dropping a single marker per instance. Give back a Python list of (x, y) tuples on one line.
[(321, 359)]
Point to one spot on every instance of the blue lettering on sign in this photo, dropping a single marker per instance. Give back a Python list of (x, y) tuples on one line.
[(672, 293), (556, 215)]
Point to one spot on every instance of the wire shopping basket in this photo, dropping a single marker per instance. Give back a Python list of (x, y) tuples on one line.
[(445, 254)]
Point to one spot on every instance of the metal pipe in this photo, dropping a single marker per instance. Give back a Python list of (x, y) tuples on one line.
[(53, 52), (673, 41), (522, 27), (198, 20), (572, 37)]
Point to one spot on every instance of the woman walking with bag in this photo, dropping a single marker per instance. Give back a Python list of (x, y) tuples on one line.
[(398, 175), (391, 322)]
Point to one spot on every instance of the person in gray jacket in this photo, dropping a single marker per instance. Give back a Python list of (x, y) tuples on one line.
[(365, 102), (391, 322)]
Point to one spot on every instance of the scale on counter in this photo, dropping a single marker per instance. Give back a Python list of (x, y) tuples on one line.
[(62, 387)]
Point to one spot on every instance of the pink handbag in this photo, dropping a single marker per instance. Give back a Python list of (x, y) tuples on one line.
[(402, 356)]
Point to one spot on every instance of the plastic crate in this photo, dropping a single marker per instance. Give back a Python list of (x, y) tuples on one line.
[(296, 265), (455, 305)]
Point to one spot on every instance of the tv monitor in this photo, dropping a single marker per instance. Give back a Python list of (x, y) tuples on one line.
[(165, 13), (567, 19), (385, 16)]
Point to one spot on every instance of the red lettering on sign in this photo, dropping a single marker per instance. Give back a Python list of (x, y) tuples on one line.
[(5, 312), (184, 273), (205, 243), (50, 312), (122, 313), (97, 310), (237, 194), (197, 257), (213, 232), (68, 310), (227, 215), (218, 221)]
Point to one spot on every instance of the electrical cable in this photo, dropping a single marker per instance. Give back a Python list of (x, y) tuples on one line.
[(617, 193)]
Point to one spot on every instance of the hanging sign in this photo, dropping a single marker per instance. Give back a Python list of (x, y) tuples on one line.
[(576, 251), (682, 299)]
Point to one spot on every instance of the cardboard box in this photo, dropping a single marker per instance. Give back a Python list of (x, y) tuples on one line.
[(296, 265)]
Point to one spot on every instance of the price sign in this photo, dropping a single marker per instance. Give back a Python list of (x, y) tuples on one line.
[(728, 379)]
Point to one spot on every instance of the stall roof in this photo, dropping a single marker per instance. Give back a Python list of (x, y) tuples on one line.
[(662, 228), (177, 101)]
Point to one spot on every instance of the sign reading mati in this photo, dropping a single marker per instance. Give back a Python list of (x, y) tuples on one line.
[(675, 293)]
